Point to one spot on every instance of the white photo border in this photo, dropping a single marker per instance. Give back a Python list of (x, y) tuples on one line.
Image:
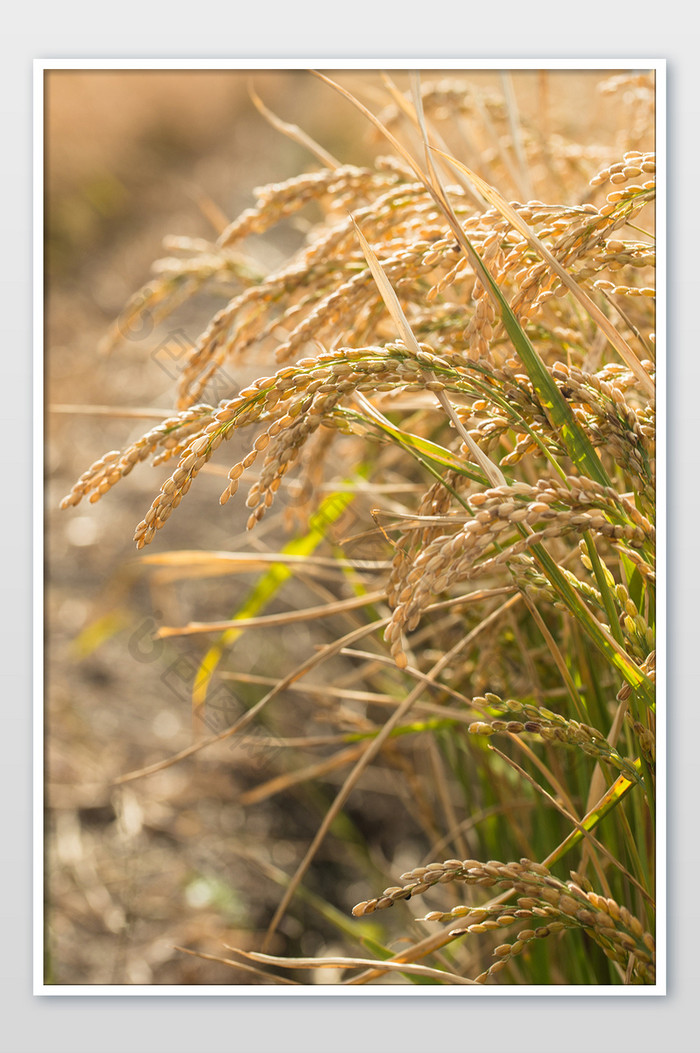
[(41, 67)]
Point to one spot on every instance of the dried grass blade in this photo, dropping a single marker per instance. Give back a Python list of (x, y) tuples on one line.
[(196, 563), (285, 981), (137, 413), (355, 963), (423, 947), (312, 771), (326, 610), (515, 132), (292, 131), (418, 117)]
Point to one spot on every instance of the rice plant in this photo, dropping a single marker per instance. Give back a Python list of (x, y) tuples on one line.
[(455, 417)]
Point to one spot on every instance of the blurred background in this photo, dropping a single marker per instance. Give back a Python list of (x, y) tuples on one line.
[(134, 871)]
